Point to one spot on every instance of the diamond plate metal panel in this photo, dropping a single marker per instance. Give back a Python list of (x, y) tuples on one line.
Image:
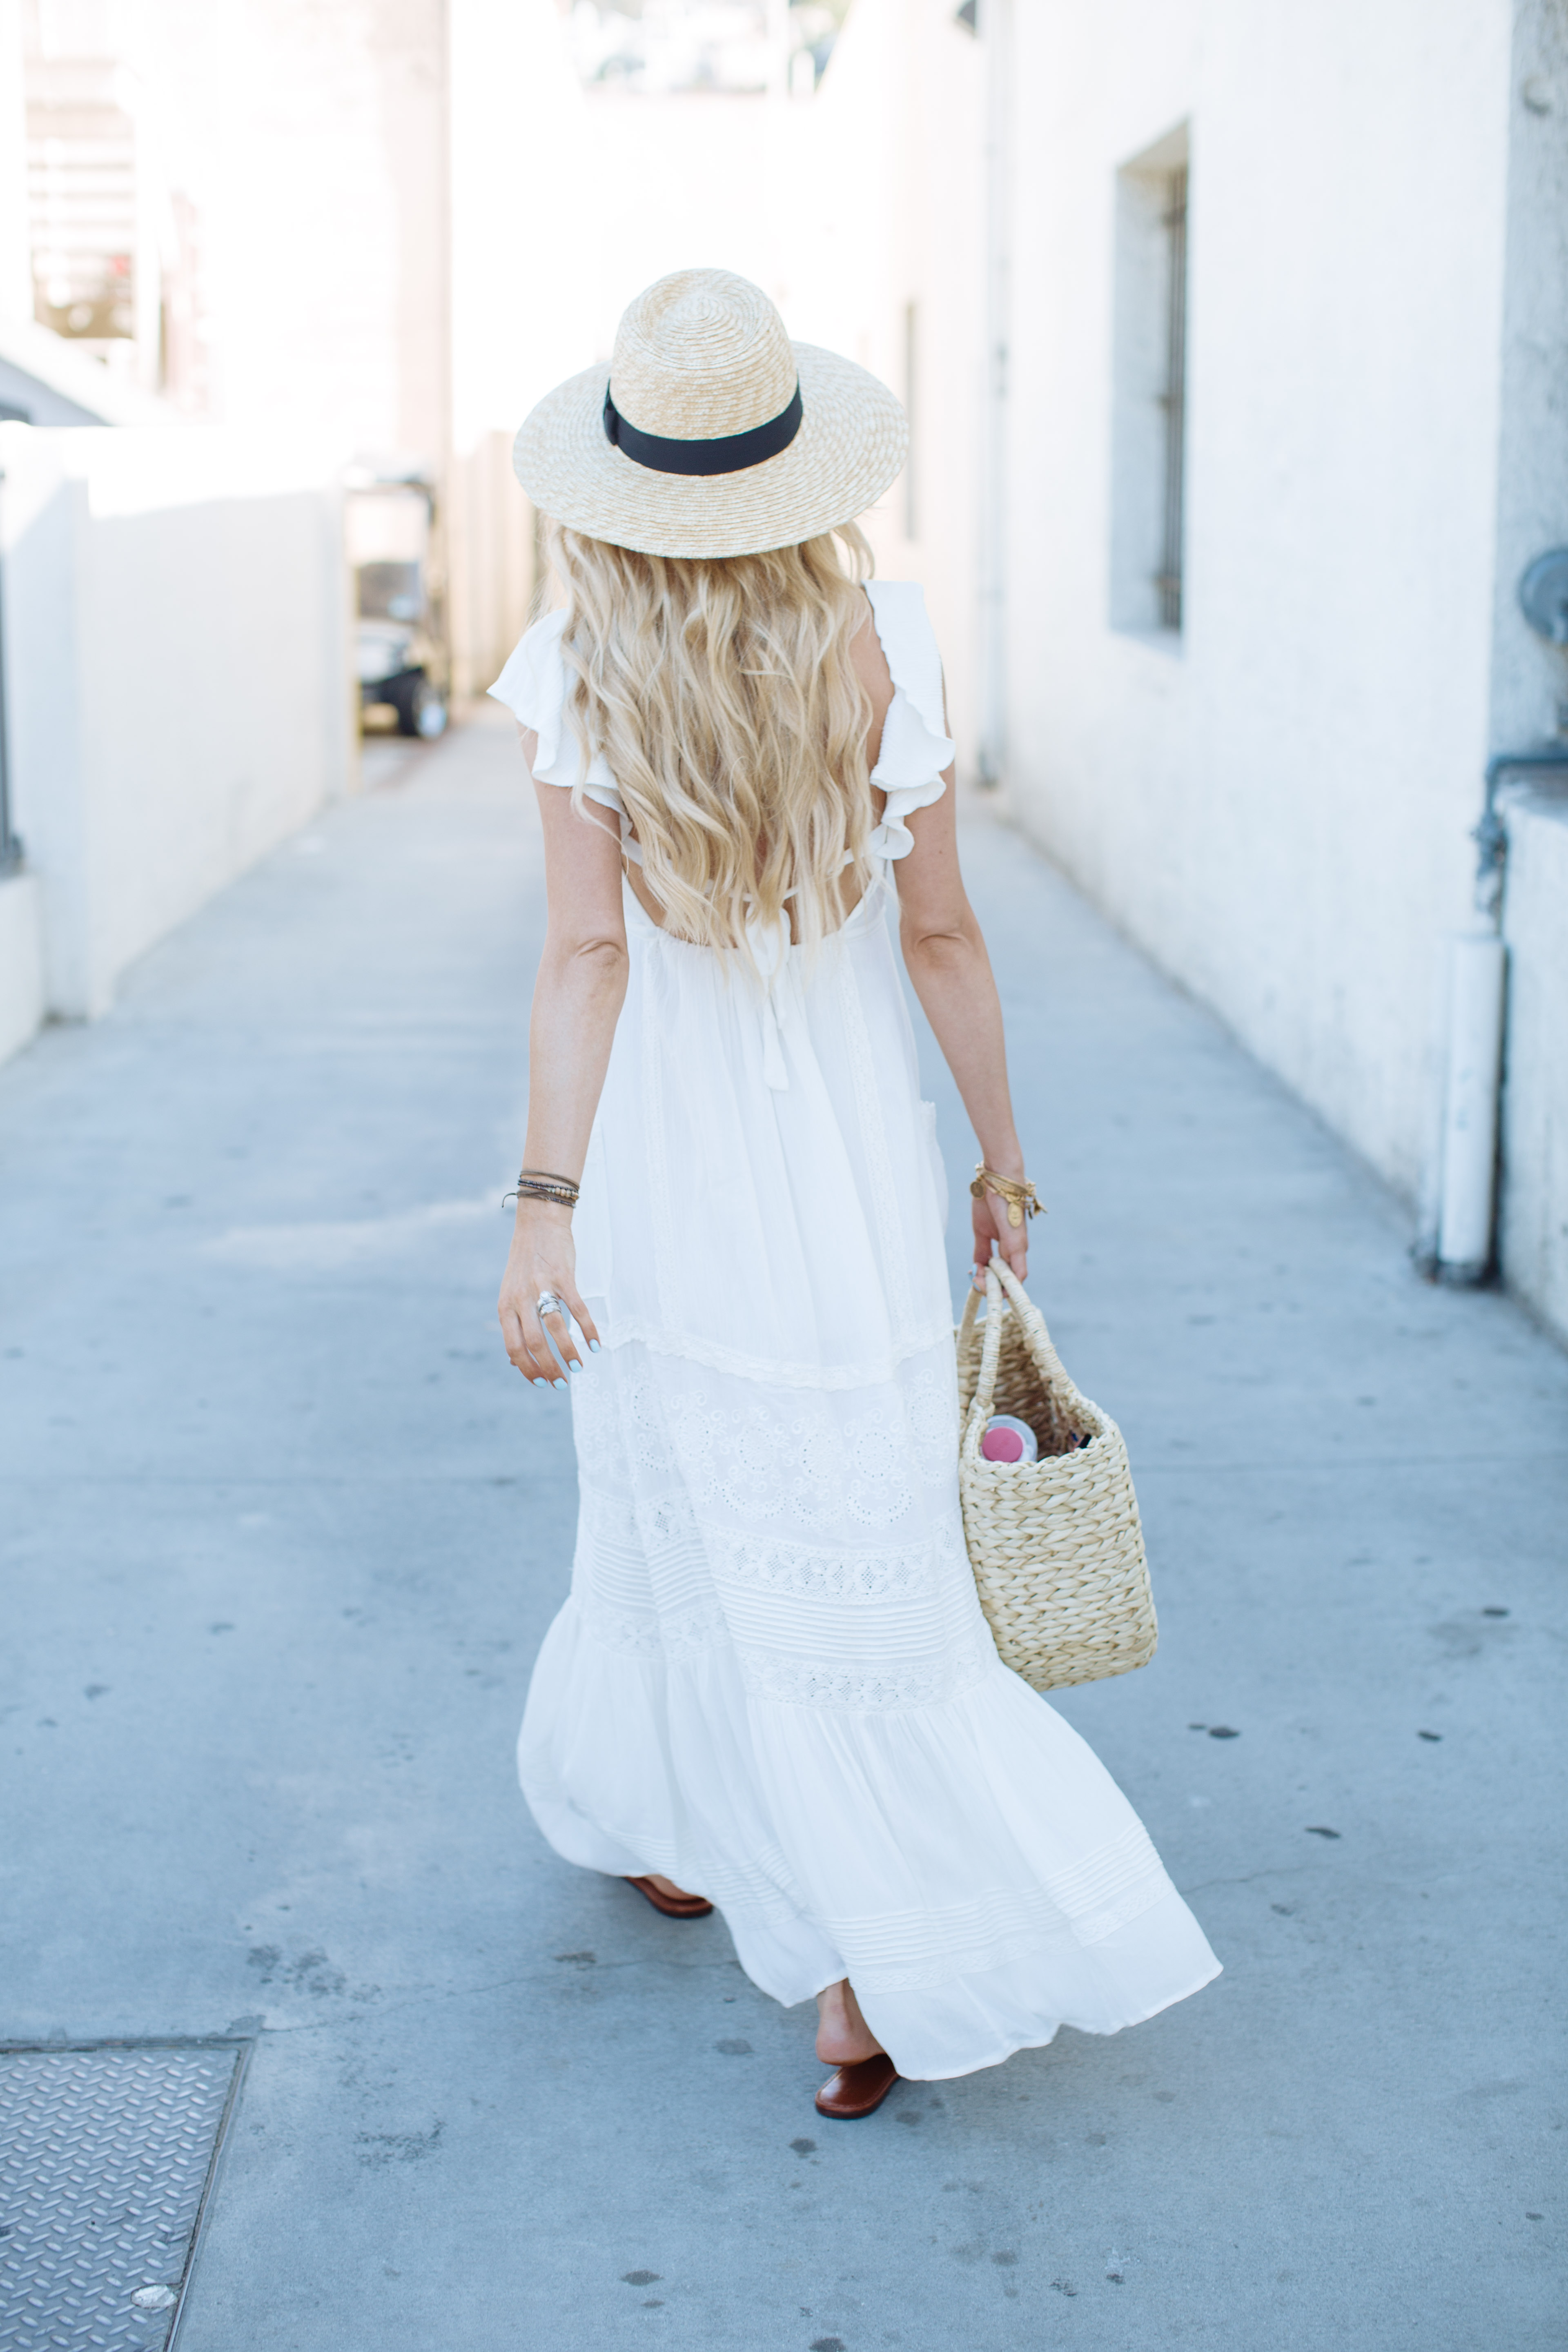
[(105, 2156)]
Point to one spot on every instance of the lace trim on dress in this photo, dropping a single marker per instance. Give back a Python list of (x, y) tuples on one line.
[(640, 1556), (865, 1687), (617, 1535), (651, 1634), (756, 1467), (902, 1572), (869, 1688), (874, 1458)]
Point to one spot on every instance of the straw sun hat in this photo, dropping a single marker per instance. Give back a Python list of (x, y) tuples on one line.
[(711, 433)]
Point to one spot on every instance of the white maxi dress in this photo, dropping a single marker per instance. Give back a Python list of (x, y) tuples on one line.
[(772, 1681)]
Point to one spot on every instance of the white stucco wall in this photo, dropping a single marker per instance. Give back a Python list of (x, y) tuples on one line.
[(888, 211), (177, 674), (21, 962), (312, 141), (1534, 1225), (1277, 806), (1530, 677)]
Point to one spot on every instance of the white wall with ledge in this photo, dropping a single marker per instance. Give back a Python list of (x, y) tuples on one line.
[(1274, 800), (1534, 1223), (178, 683), (888, 265)]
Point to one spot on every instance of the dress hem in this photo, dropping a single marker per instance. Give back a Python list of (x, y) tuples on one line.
[(1103, 2032)]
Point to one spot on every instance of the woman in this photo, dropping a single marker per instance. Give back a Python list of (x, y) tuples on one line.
[(772, 1689)]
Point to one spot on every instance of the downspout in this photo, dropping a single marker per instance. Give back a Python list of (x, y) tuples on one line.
[(1462, 1250), (997, 31)]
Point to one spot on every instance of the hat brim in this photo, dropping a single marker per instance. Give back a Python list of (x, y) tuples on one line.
[(851, 445)]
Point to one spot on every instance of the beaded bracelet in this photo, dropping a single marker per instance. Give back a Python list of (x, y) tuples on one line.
[(535, 1184)]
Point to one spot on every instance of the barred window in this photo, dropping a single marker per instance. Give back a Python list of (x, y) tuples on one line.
[(1150, 391)]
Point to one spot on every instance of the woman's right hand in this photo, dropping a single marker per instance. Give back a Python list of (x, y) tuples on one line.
[(543, 1257)]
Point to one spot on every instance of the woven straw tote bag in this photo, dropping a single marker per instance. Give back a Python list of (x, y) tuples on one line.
[(1055, 1545)]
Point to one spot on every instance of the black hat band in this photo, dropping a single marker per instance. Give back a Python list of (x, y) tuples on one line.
[(730, 454)]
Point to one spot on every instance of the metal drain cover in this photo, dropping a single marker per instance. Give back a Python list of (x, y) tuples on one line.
[(105, 2158)]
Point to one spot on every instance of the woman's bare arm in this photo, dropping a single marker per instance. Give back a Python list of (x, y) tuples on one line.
[(945, 956), (577, 999)]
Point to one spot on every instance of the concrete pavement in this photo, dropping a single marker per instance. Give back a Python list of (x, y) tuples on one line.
[(283, 1531)]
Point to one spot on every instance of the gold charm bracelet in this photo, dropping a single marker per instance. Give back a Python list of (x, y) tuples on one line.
[(1022, 1199)]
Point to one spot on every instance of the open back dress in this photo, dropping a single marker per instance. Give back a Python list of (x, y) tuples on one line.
[(772, 1681)]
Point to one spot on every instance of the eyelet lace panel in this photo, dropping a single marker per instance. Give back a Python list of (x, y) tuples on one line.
[(817, 1570), (876, 1460), (652, 1634), (756, 1468), (634, 1543), (781, 1523), (870, 1687)]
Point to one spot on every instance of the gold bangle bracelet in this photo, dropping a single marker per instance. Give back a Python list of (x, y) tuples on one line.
[(1022, 1199)]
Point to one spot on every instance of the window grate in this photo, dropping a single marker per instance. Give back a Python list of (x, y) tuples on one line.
[(1173, 400)]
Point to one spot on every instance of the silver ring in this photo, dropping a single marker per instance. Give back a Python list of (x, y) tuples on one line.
[(548, 1303)]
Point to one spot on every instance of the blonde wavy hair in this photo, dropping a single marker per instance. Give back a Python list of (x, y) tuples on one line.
[(723, 697)]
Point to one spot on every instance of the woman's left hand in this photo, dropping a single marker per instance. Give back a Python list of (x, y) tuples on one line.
[(543, 1257)]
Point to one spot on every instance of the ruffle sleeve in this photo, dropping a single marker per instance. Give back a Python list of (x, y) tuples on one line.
[(533, 687), (916, 746)]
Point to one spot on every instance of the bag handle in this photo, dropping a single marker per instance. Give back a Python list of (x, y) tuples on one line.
[(1001, 1285), (967, 1350)]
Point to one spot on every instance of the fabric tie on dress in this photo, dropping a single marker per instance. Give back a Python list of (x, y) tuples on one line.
[(769, 944)]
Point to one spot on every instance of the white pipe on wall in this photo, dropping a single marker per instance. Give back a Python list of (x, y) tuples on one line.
[(1478, 973)]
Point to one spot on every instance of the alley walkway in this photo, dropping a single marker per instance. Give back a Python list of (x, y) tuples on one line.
[(283, 1530)]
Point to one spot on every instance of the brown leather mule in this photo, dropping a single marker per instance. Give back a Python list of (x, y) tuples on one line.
[(858, 2088), (674, 1907)]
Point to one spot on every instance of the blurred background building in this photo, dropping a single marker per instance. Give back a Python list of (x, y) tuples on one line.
[(1237, 341), (1233, 340)]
